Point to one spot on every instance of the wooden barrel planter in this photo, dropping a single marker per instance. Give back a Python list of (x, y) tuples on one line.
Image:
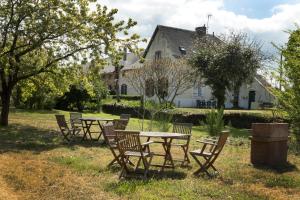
[(269, 144)]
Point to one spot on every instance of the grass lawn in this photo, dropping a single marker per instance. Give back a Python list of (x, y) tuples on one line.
[(36, 164)]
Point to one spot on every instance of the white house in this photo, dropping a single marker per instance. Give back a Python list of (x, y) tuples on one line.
[(170, 42)]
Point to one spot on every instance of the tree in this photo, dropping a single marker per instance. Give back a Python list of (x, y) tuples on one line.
[(227, 63), (40, 92), (39, 36), (289, 96), (164, 79)]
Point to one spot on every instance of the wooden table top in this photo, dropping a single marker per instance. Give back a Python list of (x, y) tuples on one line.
[(161, 134), (94, 119)]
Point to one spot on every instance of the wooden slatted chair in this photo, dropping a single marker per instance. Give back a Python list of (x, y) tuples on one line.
[(64, 128), (186, 129), (120, 124), (125, 116), (75, 121), (210, 151), (110, 139), (129, 145)]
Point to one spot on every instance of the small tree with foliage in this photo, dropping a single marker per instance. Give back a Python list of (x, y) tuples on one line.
[(226, 63), (167, 78), (289, 96), (214, 121)]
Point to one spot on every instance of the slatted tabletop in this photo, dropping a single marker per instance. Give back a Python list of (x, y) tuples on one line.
[(94, 119), (161, 134)]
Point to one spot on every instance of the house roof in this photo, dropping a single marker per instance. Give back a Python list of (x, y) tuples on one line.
[(176, 38), (131, 58)]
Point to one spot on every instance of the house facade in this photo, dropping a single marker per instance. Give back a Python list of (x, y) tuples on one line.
[(175, 43)]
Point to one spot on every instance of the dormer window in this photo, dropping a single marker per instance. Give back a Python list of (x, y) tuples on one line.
[(182, 50), (157, 55)]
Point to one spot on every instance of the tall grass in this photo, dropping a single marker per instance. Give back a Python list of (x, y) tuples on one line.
[(214, 121)]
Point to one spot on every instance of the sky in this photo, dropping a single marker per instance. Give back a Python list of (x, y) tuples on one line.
[(264, 20)]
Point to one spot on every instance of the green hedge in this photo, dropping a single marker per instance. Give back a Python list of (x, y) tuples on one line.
[(236, 119), (127, 97)]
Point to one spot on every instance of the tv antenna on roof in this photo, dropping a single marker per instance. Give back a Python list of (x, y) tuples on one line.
[(208, 18)]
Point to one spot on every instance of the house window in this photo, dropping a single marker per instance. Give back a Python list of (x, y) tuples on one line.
[(182, 50), (124, 89), (149, 88), (198, 90), (157, 55), (163, 87)]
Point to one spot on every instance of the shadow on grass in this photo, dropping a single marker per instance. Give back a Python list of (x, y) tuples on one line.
[(288, 167), (239, 133), (16, 110), (154, 174), (16, 137), (129, 185)]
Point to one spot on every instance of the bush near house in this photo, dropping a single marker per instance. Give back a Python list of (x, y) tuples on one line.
[(236, 118), (127, 97)]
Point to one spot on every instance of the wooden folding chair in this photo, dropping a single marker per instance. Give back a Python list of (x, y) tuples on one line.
[(129, 145), (120, 124), (110, 140), (186, 129), (75, 121), (209, 152), (64, 128), (125, 116)]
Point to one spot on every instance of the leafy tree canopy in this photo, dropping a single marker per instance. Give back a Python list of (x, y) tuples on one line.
[(226, 63), (38, 36), (289, 96)]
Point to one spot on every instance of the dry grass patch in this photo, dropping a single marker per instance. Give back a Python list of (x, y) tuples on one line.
[(36, 164)]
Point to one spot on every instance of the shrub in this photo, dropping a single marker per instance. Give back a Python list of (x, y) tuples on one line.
[(127, 97), (162, 121), (237, 119), (214, 121)]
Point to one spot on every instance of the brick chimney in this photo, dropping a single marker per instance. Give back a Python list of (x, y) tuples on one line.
[(201, 31)]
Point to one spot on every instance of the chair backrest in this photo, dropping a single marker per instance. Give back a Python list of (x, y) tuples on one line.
[(128, 141), (125, 116), (120, 124), (109, 133), (75, 118), (221, 141), (184, 128), (61, 122)]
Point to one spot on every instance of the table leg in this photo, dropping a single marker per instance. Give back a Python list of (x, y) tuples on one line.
[(168, 156), (87, 130), (101, 130)]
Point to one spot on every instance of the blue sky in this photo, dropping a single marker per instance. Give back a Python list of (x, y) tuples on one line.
[(254, 8), (263, 20)]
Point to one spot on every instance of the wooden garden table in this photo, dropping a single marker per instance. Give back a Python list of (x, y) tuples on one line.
[(167, 141), (88, 122)]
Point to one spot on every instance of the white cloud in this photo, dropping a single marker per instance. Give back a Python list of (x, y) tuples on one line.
[(191, 13)]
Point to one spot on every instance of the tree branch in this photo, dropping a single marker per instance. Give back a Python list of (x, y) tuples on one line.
[(49, 64)]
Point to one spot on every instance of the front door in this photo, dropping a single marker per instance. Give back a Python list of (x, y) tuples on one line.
[(251, 98)]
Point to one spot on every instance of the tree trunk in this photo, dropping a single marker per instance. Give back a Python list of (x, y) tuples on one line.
[(236, 95), (117, 84), (5, 100), (220, 96), (17, 96)]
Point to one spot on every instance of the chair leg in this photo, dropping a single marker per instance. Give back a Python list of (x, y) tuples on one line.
[(146, 165), (116, 158), (186, 156), (124, 167), (203, 167), (210, 164), (138, 163), (65, 135)]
